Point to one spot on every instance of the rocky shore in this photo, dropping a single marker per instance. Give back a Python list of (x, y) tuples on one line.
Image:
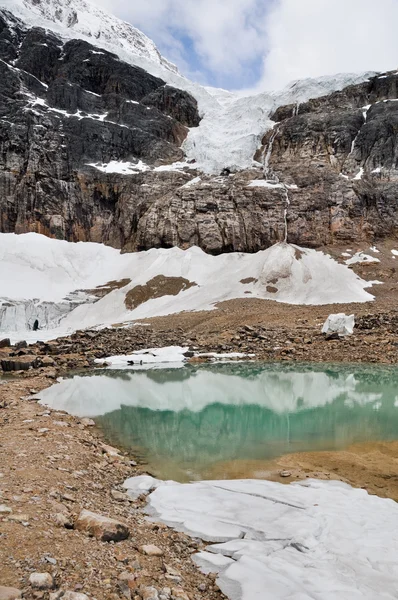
[(54, 469)]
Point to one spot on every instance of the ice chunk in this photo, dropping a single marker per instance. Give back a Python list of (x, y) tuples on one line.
[(340, 324)]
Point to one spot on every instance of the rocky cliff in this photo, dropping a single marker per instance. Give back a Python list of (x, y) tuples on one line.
[(87, 140)]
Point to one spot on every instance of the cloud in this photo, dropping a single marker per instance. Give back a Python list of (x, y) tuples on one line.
[(308, 38), (264, 44)]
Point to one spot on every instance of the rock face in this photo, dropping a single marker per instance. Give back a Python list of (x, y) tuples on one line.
[(71, 115)]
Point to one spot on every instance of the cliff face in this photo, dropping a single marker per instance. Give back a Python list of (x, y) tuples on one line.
[(85, 140)]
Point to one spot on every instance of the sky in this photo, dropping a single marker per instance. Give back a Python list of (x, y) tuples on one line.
[(261, 45)]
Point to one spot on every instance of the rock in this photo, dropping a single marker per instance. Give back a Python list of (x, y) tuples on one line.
[(151, 550), (149, 593), (74, 596), (285, 474), (179, 594), (118, 496), (19, 363), (110, 451), (47, 361), (5, 510), (63, 520), (9, 593), (100, 527), (20, 345), (41, 581), (19, 518), (5, 343), (88, 422)]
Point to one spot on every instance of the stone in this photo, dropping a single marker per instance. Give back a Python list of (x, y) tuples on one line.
[(149, 593), (285, 474), (5, 343), (47, 361), (118, 496), (100, 527), (179, 594), (5, 510), (9, 593), (74, 596), (19, 363), (88, 422), (63, 520), (41, 581), (110, 451), (151, 550)]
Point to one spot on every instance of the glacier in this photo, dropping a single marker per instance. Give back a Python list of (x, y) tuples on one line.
[(233, 124)]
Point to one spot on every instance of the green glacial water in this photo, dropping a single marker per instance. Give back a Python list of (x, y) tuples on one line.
[(198, 422)]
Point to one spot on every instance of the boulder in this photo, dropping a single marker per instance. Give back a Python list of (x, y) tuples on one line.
[(19, 363), (41, 581), (5, 343), (100, 527)]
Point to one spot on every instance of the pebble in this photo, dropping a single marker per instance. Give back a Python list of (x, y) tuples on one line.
[(149, 593), (285, 474), (9, 593), (118, 496), (41, 581), (151, 550)]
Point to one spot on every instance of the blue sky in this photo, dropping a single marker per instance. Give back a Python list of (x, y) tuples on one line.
[(261, 45)]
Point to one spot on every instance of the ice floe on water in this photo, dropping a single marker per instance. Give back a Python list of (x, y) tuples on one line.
[(36, 268), (311, 540)]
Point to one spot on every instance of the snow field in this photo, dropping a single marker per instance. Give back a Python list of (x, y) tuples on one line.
[(36, 267)]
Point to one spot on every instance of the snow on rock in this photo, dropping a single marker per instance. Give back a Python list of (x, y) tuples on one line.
[(314, 539), (232, 126), (341, 324), (36, 267), (361, 258), (124, 168), (394, 252)]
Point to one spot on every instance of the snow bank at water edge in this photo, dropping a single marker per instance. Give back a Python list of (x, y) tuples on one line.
[(314, 539), (36, 267)]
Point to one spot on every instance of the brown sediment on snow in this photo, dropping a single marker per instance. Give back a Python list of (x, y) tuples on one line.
[(156, 288)]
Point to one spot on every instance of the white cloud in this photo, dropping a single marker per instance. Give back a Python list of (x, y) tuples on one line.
[(308, 38), (293, 38)]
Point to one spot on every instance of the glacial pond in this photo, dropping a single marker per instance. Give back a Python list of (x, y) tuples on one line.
[(196, 422)]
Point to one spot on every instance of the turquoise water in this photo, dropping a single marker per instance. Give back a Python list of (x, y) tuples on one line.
[(196, 422)]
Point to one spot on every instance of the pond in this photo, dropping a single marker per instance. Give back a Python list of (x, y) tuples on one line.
[(198, 421)]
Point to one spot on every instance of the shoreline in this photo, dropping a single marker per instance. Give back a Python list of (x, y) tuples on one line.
[(56, 464)]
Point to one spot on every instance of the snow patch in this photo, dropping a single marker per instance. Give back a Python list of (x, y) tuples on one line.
[(361, 258), (303, 540)]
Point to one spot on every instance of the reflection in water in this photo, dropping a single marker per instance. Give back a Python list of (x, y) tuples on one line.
[(185, 420)]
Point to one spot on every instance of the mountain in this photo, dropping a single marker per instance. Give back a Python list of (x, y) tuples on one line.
[(103, 140)]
